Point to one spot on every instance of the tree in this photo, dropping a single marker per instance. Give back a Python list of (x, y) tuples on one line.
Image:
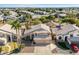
[(51, 33), (77, 15), (77, 23), (60, 9), (43, 19), (6, 13), (27, 25), (36, 21), (28, 21), (50, 17), (28, 16), (16, 25), (69, 20)]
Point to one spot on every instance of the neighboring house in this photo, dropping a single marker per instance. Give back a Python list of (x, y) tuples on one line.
[(13, 13), (52, 23), (9, 17), (1, 18), (38, 16), (21, 18), (53, 13), (41, 12), (66, 30), (62, 15), (40, 32), (61, 11), (27, 12), (7, 34), (59, 15)]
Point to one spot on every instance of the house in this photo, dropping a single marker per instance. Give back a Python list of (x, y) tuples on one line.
[(59, 14), (66, 30), (13, 13), (62, 15), (7, 34), (38, 16), (41, 12), (27, 12), (1, 18), (40, 32)]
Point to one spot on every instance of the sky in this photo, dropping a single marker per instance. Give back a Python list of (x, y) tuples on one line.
[(38, 5)]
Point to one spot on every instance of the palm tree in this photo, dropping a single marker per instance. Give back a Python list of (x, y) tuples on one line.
[(52, 35), (28, 21), (28, 24), (16, 25)]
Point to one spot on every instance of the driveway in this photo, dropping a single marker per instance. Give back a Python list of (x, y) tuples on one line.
[(42, 49)]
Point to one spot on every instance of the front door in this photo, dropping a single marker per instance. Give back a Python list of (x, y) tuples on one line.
[(8, 38)]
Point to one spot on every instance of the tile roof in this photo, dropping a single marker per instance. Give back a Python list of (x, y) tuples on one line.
[(7, 28), (37, 27), (64, 29)]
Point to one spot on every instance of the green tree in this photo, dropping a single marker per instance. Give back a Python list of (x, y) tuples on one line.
[(16, 25), (52, 34), (69, 20), (36, 21), (28, 21), (77, 23), (6, 13), (28, 16), (43, 19), (27, 25), (50, 17)]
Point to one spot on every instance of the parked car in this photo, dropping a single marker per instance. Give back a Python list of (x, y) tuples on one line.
[(74, 47)]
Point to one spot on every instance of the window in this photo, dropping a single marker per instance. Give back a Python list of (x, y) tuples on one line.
[(8, 38), (66, 38), (71, 35), (41, 35), (35, 34), (14, 38), (60, 38), (2, 42), (2, 35)]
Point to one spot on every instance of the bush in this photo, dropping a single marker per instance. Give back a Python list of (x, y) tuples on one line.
[(69, 20), (44, 20), (16, 50), (5, 49), (77, 23), (63, 45), (14, 47), (36, 21)]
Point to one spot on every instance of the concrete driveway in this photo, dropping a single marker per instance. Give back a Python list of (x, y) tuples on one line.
[(38, 49)]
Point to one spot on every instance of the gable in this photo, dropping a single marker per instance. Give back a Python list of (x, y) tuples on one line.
[(41, 29)]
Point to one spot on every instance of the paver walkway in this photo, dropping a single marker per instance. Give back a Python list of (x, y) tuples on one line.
[(28, 49), (37, 49), (43, 50)]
